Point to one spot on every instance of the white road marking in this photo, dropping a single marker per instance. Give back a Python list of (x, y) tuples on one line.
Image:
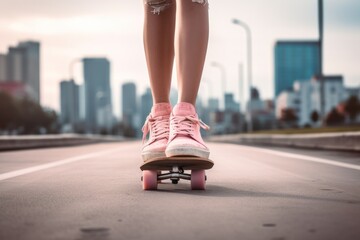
[(24, 171), (308, 158)]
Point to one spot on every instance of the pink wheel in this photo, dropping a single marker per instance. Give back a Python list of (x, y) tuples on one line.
[(149, 179), (198, 179)]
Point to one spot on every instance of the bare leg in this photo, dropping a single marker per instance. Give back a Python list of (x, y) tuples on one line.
[(159, 30), (192, 33)]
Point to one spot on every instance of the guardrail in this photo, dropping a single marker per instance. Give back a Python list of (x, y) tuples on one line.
[(345, 141), (44, 141)]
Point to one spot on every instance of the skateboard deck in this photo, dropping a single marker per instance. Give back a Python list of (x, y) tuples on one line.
[(175, 167), (184, 162)]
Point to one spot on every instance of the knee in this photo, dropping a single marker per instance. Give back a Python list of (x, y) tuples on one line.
[(191, 3), (204, 2), (157, 6)]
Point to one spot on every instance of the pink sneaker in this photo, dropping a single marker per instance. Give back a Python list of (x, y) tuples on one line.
[(185, 138), (157, 123)]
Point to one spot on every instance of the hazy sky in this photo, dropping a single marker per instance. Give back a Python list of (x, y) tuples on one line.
[(71, 29)]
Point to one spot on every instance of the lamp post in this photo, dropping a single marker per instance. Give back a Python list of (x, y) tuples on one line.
[(241, 96), (223, 77), (249, 68), (321, 40)]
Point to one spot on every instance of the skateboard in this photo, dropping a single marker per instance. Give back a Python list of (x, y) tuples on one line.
[(174, 169)]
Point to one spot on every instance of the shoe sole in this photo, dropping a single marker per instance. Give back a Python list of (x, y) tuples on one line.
[(187, 151), (146, 156)]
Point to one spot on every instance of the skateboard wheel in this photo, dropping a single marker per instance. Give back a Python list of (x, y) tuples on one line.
[(198, 179), (174, 181), (149, 180)]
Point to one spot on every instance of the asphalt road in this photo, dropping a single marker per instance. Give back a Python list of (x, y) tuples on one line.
[(94, 192)]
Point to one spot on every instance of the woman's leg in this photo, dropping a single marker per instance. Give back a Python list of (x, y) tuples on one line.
[(191, 39), (159, 30), (192, 33)]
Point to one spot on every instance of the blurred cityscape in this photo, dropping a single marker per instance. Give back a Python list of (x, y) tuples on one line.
[(304, 96)]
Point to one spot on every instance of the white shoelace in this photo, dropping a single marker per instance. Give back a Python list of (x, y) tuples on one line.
[(184, 125), (159, 127)]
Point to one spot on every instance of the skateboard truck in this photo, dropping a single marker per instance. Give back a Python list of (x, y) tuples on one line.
[(175, 175)]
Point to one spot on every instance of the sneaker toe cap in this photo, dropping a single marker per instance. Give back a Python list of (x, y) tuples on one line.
[(185, 142), (157, 146)]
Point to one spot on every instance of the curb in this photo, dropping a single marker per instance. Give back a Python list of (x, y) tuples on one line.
[(348, 141), (8, 143)]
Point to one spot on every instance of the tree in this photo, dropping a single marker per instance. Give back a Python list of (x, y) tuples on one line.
[(288, 115), (352, 107), (50, 120), (314, 116), (31, 117), (334, 118), (9, 112), (288, 118), (25, 115)]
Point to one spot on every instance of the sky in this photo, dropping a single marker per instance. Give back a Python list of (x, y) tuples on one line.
[(70, 30)]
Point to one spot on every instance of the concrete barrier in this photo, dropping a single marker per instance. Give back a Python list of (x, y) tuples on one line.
[(345, 141), (44, 141)]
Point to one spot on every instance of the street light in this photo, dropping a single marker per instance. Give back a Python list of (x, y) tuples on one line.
[(249, 55), (223, 76)]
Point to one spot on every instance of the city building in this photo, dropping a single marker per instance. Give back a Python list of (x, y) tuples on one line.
[(15, 65), (255, 103), (305, 97), (129, 105), (226, 122), (295, 60), (31, 67), (213, 104), (98, 103), (146, 103), (69, 105), (255, 94), (173, 96), (287, 100), (230, 104), (355, 91), (3, 67), (22, 65), (82, 102), (262, 112)]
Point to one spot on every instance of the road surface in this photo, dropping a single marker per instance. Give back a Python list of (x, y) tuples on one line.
[(94, 192)]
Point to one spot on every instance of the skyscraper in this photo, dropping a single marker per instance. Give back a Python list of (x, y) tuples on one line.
[(213, 104), (146, 104), (15, 64), (69, 102), (129, 105), (254, 94), (31, 70), (23, 66), (295, 60), (97, 93), (82, 103), (230, 104), (3, 67)]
